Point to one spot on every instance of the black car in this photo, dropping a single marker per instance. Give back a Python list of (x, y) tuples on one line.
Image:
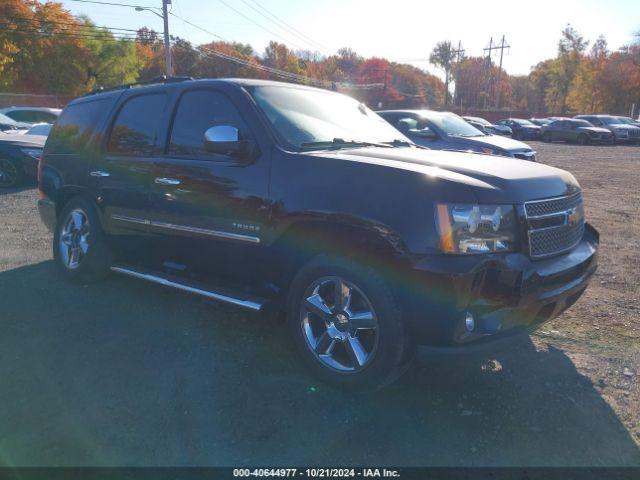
[(576, 131), (285, 198), (488, 127), (622, 132), (19, 155), (522, 129), (448, 131)]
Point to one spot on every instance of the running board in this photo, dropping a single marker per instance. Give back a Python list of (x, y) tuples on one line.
[(240, 300)]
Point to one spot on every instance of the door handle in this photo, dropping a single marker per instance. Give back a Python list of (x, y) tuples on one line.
[(167, 181), (100, 174)]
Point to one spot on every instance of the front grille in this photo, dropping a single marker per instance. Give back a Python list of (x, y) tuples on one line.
[(634, 133), (565, 214)]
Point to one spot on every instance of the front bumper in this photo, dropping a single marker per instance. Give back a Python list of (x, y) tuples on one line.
[(504, 293)]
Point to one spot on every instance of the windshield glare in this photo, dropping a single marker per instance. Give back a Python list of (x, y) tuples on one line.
[(454, 125), (303, 116)]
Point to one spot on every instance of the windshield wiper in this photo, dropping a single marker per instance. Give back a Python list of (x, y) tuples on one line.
[(337, 143), (403, 143)]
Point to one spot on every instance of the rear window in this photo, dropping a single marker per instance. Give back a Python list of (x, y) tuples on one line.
[(135, 128), (75, 125)]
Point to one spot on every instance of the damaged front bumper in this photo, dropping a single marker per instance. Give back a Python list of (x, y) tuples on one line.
[(464, 299)]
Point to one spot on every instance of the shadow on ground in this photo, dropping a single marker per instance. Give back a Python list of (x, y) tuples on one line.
[(123, 372)]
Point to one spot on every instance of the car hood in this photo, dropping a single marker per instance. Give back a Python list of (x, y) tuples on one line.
[(493, 141), (23, 140), (492, 179)]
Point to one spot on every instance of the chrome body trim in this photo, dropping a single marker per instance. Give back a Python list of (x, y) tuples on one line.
[(205, 231), (100, 174), (136, 220), (252, 305), (187, 229)]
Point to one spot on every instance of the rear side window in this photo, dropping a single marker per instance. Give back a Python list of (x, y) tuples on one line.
[(135, 128), (198, 111), (75, 125)]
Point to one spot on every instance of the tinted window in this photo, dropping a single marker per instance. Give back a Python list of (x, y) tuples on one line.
[(75, 126), (135, 128), (23, 116), (198, 111)]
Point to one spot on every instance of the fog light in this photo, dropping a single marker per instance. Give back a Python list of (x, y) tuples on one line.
[(469, 322)]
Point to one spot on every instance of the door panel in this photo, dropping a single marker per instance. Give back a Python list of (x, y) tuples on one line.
[(209, 210)]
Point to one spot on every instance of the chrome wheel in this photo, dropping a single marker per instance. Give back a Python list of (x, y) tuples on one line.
[(74, 239), (339, 324), (8, 173)]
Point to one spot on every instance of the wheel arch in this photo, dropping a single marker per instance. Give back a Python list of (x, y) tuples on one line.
[(304, 239)]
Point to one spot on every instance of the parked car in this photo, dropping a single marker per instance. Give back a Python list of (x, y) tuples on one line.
[(286, 198), (575, 130), (541, 122), (622, 132), (522, 129), (448, 131), (487, 127), (31, 115), (40, 129), (11, 126), (19, 155)]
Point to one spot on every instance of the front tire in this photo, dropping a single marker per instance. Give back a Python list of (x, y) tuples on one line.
[(80, 249), (346, 323), (11, 173)]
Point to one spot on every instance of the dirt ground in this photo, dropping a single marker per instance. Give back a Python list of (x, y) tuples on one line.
[(126, 373)]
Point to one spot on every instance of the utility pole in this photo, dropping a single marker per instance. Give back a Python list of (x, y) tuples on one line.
[(167, 43), (502, 47)]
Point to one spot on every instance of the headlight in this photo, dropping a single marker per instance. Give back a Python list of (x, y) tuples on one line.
[(466, 228), (491, 151), (33, 152)]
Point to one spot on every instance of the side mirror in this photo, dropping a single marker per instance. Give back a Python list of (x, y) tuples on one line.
[(224, 140)]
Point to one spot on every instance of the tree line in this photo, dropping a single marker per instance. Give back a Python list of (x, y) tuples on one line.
[(44, 49)]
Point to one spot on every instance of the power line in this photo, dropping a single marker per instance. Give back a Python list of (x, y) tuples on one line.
[(87, 36), (282, 24), (44, 23), (288, 25), (114, 4), (259, 25)]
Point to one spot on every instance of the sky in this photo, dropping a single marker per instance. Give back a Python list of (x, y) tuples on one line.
[(401, 30)]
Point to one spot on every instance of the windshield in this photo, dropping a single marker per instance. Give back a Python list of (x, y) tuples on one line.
[(581, 123), (625, 120), (610, 120), (454, 125), (479, 120), (305, 118), (6, 120)]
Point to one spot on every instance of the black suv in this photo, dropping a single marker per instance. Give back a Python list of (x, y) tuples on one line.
[(289, 199)]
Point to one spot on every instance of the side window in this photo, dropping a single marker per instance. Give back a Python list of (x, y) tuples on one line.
[(77, 122), (135, 128), (199, 110), (45, 117)]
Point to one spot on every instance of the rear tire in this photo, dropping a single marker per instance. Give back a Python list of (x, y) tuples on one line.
[(355, 339), (80, 248), (11, 173)]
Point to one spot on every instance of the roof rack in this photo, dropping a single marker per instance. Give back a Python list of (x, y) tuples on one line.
[(152, 81)]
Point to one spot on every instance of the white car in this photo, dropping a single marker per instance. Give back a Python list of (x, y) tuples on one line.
[(32, 115)]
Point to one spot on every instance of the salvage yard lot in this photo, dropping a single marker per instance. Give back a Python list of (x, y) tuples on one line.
[(124, 372)]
